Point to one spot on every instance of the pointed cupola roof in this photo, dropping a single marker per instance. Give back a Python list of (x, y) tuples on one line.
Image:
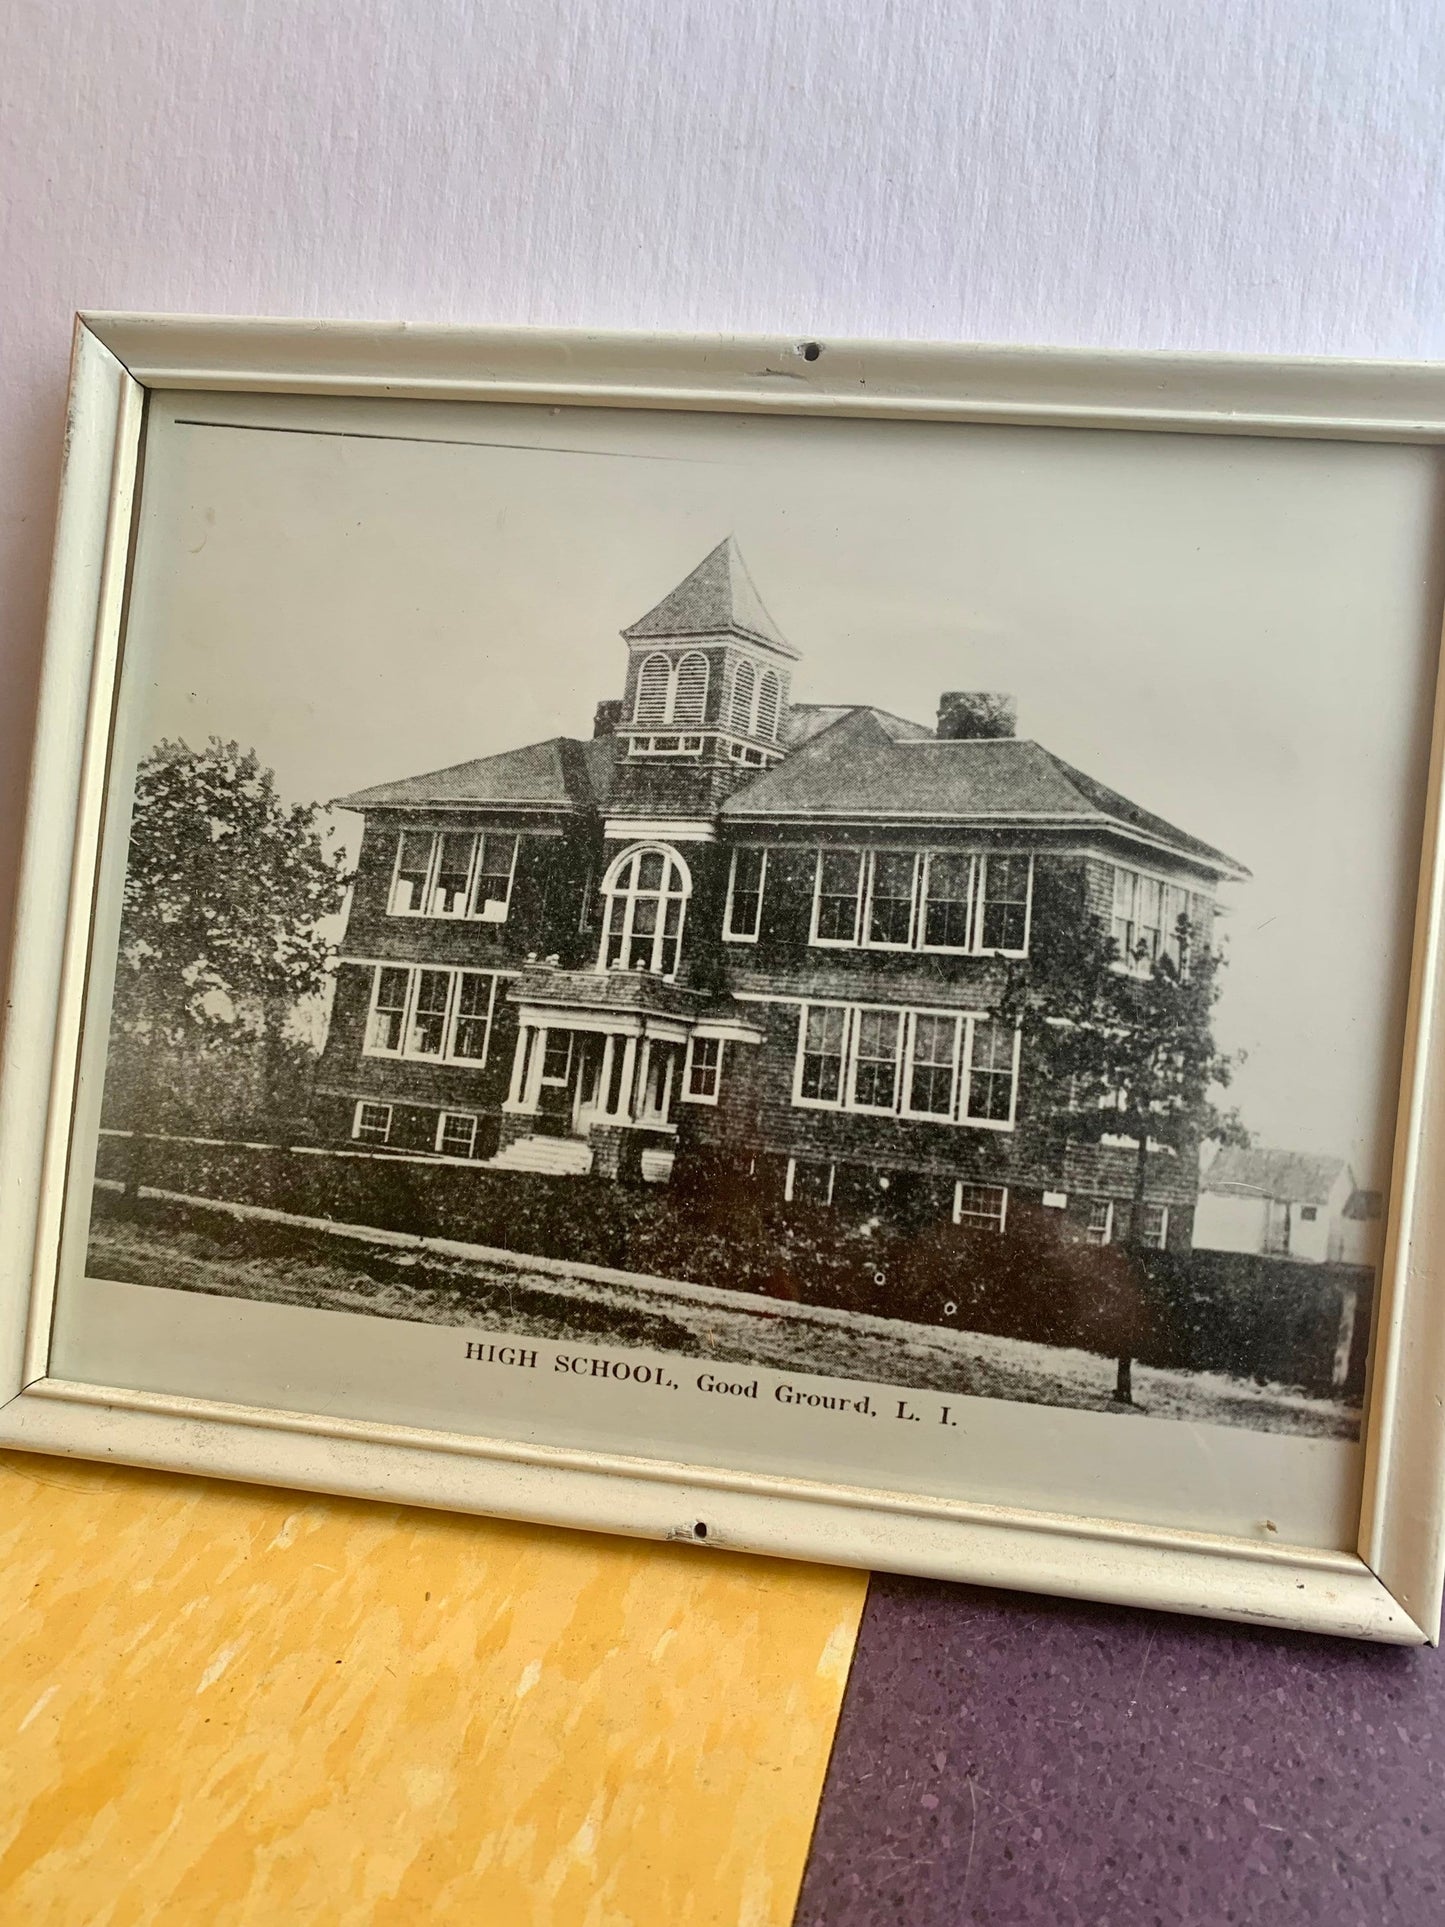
[(717, 599)]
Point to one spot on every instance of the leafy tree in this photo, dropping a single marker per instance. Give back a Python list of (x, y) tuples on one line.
[(1124, 1046), (225, 887)]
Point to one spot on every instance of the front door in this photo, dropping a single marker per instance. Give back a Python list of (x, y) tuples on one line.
[(589, 1099)]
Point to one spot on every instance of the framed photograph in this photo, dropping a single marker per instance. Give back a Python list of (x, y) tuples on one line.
[(792, 945)]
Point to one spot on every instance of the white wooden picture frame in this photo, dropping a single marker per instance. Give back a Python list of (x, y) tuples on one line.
[(1386, 1586)]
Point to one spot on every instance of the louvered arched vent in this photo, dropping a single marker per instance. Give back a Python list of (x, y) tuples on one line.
[(689, 700), (744, 683), (768, 706), (653, 683)]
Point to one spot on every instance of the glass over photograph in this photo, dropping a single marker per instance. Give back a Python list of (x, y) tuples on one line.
[(916, 906)]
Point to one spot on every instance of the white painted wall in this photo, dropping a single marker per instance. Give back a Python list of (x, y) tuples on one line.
[(1246, 174)]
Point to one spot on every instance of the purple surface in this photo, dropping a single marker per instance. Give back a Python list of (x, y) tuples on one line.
[(1012, 1760)]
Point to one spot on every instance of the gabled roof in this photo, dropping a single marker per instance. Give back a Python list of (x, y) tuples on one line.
[(560, 773), (717, 599), (867, 765), (1289, 1177)]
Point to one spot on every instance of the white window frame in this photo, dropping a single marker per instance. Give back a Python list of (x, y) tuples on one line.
[(838, 943), (370, 1104), (555, 1083), (790, 1178), (865, 940), (918, 916), (1108, 1237), (965, 1022), (1000, 1224), (447, 1055), (730, 935), (1161, 1243), (1144, 967), (466, 914), (464, 1117), (689, 1096), (851, 1037), (610, 896)]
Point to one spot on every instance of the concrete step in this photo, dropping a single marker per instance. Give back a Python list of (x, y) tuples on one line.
[(549, 1156)]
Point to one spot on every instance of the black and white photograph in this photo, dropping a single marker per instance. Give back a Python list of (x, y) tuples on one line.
[(926, 907)]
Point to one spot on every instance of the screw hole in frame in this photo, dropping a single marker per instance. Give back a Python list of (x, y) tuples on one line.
[(810, 350)]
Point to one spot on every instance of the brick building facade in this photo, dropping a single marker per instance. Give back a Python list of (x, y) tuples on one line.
[(735, 929)]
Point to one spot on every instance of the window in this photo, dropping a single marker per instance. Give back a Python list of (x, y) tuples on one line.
[(654, 686), (417, 1011), (933, 1070), (371, 1123), (767, 706), (689, 699), (745, 895), (1146, 922), (820, 1068), (914, 900), (457, 1134), (808, 1183), (1004, 911), (835, 901), (952, 1067), (557, 1057), (891, 880), (388, 1009), (990, 1093), (1100, 1228), (492, 889), (1308, 1213), (646, 894), (1156, 1226), (704, 1070), (453, 873), (984, 1206), (745, 684), (878, 1038), (948, 902)]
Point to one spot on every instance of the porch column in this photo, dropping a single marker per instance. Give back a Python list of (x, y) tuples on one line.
[(644, 1062), (625, 1104), (519, 1064), (604, 1081), (533, 1096)]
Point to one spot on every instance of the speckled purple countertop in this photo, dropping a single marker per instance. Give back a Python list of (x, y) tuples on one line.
[(1007, 1759)]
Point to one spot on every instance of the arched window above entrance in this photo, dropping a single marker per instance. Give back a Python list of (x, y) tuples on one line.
[(645, 896)]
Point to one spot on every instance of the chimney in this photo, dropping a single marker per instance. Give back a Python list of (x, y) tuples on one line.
[(966, 715), (609, 715)]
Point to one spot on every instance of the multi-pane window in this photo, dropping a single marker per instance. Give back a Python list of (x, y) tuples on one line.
[(933, 1065), (646, 893), (990, 1072), (1156, 1226), (704, 1070), (953, 1067), (836, 896), (807, 1182), (417, 1011), (891, 884), (371, 1123), (557, 1057), (1146, 921), (948, 901), (388, 1009), (745, 895), (984, 1206), (1004, 904), (907, 900), (877, 1044), (457, 1134), (1100, 1228), (820, 1067), (453, 873)]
